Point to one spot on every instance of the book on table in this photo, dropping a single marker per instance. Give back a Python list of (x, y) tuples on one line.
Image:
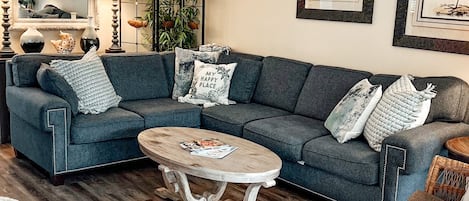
[(211, 148)]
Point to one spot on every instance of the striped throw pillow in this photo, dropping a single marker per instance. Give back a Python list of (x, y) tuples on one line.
[(90, 82)]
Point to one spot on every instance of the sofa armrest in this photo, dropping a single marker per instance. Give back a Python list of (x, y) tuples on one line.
[(421, 144), (407, 156), (32, 105)]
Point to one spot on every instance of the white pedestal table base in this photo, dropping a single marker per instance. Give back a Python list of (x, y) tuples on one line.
[(177, 188)]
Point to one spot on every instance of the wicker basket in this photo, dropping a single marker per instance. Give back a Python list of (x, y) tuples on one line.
[(446, 179)]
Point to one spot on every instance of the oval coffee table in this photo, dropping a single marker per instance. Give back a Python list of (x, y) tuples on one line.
[(250, 163)]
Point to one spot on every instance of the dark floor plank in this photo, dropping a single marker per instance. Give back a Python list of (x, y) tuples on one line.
[(22, 180)]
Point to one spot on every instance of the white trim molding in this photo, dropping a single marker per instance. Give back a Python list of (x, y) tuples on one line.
[(402, 166), (59, 111)]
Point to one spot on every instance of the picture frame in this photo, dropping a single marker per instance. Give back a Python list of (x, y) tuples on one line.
[(336, 13), (402, 39), (21, 22)]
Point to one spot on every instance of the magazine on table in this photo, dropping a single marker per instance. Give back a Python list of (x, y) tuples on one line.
[(212, 148)]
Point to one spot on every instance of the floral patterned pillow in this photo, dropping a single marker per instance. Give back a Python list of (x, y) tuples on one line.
[(349, 116), (184, 68)]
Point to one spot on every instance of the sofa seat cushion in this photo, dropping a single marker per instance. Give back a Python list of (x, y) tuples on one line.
[(115, 123), (285, 135), (353, 160), (232, 118), (164, 112)]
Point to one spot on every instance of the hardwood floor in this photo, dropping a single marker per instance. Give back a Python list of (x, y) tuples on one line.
[(20, 180)]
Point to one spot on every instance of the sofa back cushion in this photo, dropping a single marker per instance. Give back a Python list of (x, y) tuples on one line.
[(169, 60), (324, 88), (280, 82), (52, 82), (242, 55), (245, 76), (137, 76), (452, 96), (25, 66)]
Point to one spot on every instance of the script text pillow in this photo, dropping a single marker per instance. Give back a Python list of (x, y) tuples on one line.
[(184, 68), (349, 116), (212, 82), (402, 107), (89, 81)]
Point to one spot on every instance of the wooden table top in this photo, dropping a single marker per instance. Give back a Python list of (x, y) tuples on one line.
[(459, 146), (250, 163)]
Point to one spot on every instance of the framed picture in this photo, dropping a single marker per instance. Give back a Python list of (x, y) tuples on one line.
[(336, 10), (438, 25)]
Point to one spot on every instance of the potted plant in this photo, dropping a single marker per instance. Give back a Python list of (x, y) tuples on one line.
[(166, 14), (191, 13), (166, 18), (175, 25)]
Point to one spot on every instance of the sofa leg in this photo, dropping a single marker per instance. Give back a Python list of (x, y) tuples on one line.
[(57, 180), (18, 154)]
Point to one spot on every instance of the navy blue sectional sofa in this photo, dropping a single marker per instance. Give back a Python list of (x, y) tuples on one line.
[(282, 105)]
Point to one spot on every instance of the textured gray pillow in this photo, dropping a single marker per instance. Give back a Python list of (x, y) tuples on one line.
[(184, 68), (89, 81), (402, 107), (51, 81)]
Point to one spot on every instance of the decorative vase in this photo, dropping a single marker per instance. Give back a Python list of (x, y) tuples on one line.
[(89, 38), (32, 40), (66, 43)]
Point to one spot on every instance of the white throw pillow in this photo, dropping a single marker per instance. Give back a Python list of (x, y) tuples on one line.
[(402, 107), (349, 116), (184, 68), (212, 82), (90, 82)]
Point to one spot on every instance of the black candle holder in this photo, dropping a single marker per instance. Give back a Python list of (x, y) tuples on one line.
[(115, 48), (6, 51)]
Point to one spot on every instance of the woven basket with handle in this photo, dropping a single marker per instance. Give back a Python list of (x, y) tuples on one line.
[(446, 179)]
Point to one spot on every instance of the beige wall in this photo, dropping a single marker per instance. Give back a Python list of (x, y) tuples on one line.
[(269, 27)]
